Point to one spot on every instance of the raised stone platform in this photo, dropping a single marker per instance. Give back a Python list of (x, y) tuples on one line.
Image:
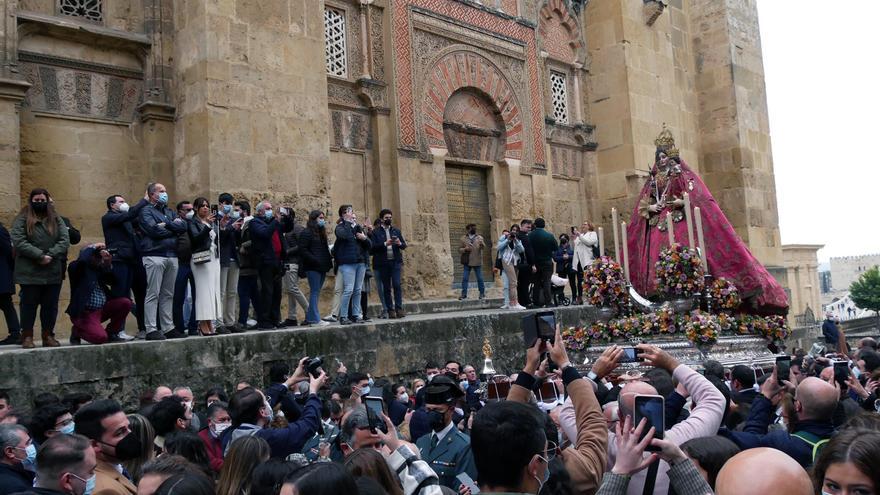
[(390, 348)]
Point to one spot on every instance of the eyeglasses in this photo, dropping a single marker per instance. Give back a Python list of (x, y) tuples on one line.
[(62, 424), (550, 453)]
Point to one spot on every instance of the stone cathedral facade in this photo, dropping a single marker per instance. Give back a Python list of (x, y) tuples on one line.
[(446, 111)]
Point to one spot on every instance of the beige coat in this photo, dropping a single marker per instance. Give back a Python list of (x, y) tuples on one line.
[(475, 255), (110, 482)]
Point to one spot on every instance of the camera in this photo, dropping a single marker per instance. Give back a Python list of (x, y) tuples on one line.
[(313, 366), (112, 251)]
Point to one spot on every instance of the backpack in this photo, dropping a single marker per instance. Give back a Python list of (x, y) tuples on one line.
[(817, 443)]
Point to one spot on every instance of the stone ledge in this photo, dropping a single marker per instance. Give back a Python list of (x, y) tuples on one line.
[(393, 348)]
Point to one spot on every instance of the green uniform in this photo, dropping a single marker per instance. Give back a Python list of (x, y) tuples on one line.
[(452, 455)]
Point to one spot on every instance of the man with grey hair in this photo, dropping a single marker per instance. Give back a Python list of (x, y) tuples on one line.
[(357, 434), (269, 247), (18, 455), (66, 465), (160, 227)]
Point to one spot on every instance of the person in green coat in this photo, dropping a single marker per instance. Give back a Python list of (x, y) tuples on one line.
[(41, 240)]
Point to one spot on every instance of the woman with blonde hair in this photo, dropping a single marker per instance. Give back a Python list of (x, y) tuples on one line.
[(244, 455), (143, 429), (40, 238), (205, 266)]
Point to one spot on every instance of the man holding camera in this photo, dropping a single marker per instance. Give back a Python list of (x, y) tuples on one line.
[(471, 250), (91, 281)]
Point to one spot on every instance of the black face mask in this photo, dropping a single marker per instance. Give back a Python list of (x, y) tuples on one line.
[(40, 206), (128, 448), (387, 222), (437, 420), (472, 231)]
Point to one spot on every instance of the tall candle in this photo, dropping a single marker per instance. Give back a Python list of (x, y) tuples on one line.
[(614, 228), (625, 251), (669, 228), (703, 253), (601, 242), (688, 214)]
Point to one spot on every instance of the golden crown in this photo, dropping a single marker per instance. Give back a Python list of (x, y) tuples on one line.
[(666, 143)]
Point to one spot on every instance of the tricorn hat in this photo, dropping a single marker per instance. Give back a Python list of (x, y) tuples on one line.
[(442, 390)]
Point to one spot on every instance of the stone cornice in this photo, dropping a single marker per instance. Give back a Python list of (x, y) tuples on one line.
[(13, 89), (154, 110)]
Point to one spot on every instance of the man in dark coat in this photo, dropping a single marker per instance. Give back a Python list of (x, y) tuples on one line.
[(91, 282), (118, 224), (7, 288)]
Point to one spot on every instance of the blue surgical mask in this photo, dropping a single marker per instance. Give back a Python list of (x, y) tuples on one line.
[(463, 384), (227, 208), (271, 411), (268, 214), (546, 475), (321, 222), (90, 483), (29, 463), (163, 198), (235, 215), (364, 391), (370, 381), (68, 429)]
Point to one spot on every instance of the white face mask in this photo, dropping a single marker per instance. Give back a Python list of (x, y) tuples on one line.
[(219, 428), (404, 397), (190, 214), (124, 207)]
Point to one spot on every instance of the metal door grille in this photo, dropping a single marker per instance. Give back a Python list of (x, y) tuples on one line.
[(468, 199)]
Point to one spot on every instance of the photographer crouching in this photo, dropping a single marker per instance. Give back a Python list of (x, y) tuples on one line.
[(91, 282)]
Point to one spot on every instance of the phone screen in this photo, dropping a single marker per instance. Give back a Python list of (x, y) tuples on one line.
[(652, 408), (841, 372), (630, 355), (783, 368), (375, 409), (546, 322)]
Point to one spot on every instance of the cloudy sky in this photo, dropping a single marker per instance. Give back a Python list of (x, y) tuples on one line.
[(822, 61)]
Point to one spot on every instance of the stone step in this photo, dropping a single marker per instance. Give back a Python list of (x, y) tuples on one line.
[(434, 306)]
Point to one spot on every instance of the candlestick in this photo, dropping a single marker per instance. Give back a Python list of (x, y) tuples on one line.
[(601, 242), (703, 251), (670, 229), (688, 214), (614, 228), (625, 251)]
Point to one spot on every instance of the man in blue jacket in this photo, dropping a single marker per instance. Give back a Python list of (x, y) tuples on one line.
[(160, 227), (91, 303), (388, 244), (252, 415), (269, 247), (118, 225), (815, 401)]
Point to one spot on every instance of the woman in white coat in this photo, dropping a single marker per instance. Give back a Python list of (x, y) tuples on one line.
[(585, 240)]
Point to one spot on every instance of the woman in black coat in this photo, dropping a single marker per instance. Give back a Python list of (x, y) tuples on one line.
[(315, 254), (7, 288)]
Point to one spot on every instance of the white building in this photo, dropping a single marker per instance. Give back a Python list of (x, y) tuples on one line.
[(847, 269)]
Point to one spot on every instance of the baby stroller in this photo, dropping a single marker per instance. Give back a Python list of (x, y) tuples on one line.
[(557, 288)]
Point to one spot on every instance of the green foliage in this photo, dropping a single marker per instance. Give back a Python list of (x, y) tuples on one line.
[(865, 291)]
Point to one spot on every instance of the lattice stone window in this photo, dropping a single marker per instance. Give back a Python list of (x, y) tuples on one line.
[(559, 96), (335, 49), (87, 9)]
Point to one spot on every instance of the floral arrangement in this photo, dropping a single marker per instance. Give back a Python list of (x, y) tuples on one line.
[(679, 271), (666, 320), (702, 329), (775, 328), (573, 338), (604, 283), (726, 322), (724, 294)]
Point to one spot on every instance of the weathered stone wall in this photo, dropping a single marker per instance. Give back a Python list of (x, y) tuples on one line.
[(395, 349)]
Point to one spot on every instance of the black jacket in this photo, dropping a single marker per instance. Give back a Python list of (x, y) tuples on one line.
[(159, 240), (348, 249), (7, 262), (85, 275), (314, 252), (380, 252), (229, 244), (199, 235), (293, 231), (529, 258), (119, 232), (15, 479)]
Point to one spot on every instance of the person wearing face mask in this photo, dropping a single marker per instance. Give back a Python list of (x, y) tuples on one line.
[(248, 277), (229, 222), (388, 244), (252, 414), (471, 250), (159, 229), (360, 386), (186, 396), (50, 420), (66, 467), (118, 224), (40, 239), (316, 262), (184, 282), (269, 246), (91, 285), (105, 424), (400, 404), (218, 422), (350, 250), (18, 459), (445, 449)]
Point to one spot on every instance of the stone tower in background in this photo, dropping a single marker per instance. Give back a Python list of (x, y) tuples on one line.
[(446, 111)]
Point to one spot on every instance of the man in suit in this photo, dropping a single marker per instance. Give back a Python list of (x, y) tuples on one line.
[(445, 449), (118, 225), (742, 383), (105, 424)]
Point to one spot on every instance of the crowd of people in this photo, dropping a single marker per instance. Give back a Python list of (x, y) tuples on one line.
[(193, 269), (725, 431)]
